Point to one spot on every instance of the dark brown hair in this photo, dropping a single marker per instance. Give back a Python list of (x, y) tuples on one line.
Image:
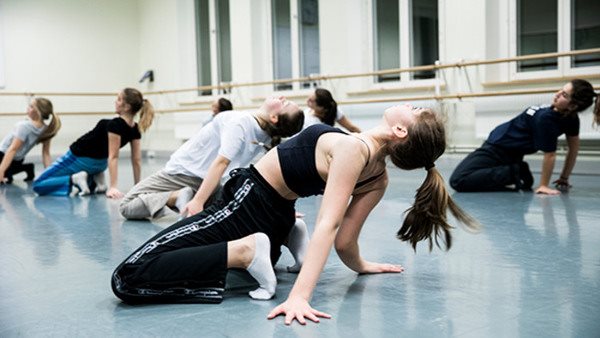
[(287, 125), (583, 96), (324, 99), (224, 104), (426, 219)]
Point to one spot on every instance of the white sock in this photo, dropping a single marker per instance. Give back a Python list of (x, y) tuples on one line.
[(100, 181), (80, 180), (297, 243), (260, 268), (183, 197)]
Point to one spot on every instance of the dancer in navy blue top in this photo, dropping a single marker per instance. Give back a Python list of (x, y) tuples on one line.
[(244, 228), (498, 164)]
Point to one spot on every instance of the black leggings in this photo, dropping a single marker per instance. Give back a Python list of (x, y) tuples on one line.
[(488, 168), (17, 166), (187, 262)]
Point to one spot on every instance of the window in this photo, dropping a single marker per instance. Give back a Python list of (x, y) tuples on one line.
[(213, 43), (549, 26), (585, 31), (2, 83), (405, 35), (295, 35), (537, 32)]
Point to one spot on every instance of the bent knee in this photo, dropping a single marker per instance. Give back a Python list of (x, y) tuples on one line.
[(127, 210), (37, 188)]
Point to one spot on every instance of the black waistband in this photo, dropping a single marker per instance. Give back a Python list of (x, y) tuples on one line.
[(258, 178)]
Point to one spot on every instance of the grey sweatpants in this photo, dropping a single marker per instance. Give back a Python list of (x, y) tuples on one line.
[(148, 198)]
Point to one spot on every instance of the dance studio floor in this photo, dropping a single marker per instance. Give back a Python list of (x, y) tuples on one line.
[(532, 271)]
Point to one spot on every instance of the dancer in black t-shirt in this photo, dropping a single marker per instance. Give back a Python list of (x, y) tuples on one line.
[(84, 164)]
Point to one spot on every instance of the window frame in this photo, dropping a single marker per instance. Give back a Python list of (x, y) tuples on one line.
[(215, 53), (564, 26), (295, 42), (405, 27), (2, 63)]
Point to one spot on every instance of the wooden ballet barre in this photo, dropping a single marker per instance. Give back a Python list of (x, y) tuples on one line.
[(70, 113), (58, 94), (520, 58), (402, 70), (458, 96), (327, 77)]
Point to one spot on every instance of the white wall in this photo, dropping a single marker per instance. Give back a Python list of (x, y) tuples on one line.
[(84, 45), (68, 45), (167, 46)]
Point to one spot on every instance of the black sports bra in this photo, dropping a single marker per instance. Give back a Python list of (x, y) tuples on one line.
[(297, 161)]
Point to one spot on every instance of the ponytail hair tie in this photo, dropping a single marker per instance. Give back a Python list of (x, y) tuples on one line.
[(429, 166)]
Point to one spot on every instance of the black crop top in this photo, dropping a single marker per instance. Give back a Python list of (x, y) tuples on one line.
[(297, 160)]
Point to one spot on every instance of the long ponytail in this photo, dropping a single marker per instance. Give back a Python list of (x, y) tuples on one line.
[(134, 98), (146, 116), (46, 110), (427, 217)]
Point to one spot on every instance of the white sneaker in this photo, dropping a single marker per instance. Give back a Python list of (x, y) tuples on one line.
[(80, 180), (100, 181)]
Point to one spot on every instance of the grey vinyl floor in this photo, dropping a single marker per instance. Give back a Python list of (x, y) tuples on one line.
[(532, 271)]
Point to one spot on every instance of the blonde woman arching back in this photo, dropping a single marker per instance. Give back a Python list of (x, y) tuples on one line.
[(24, 136)]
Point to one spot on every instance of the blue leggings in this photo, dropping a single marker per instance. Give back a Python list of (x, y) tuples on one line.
[(56, 179)]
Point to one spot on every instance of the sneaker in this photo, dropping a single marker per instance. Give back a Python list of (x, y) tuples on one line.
[(525, 176), (100, 181), (80, 181)]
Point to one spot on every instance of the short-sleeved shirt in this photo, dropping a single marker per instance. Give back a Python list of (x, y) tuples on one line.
[(235, 135), (94, 143), (537, 128), (26, 132)]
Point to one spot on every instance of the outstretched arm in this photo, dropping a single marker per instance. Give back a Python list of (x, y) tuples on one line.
[(208, 186), (346, 123), (344, 169), (9, 156), (136, 159), (114, 143), (346, 241), (46, 159), (547, 168), (570, 158)]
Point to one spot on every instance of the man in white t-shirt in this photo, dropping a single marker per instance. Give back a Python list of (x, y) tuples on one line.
[(231, 140)]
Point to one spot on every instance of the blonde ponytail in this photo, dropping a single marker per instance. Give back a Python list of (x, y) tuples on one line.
[(146, 115), (45, 109)]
